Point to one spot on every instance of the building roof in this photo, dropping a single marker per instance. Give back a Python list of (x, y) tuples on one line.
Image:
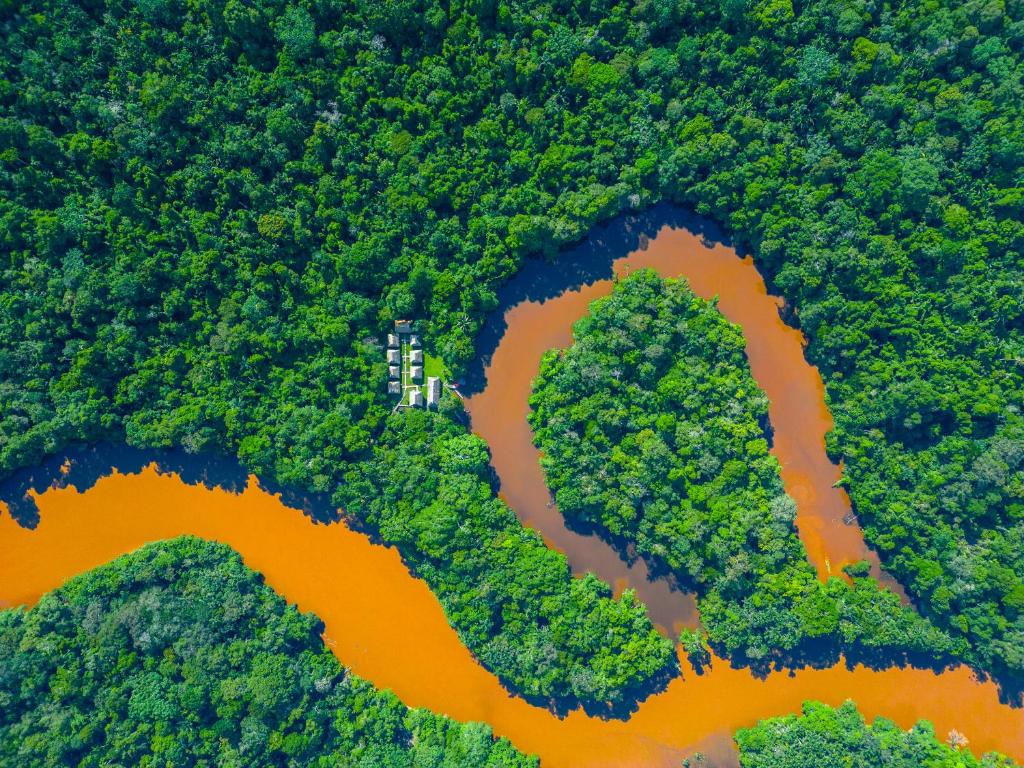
[(433, 390), (414, 340), (417, 373), (394, 356), (394, 388), (403, 326), (394, 371), (392, 340), (416, 356), (416, 397)]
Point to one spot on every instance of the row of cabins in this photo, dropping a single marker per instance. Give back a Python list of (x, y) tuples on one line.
[(394, 364), (394, 356)]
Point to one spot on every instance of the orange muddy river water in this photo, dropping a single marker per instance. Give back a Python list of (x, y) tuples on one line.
[(389, 628)]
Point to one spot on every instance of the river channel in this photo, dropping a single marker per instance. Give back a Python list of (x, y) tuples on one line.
[(539, 307), (389, 628)]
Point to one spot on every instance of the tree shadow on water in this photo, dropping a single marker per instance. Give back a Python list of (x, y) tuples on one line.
[(627, 702), (575, 266), (83, 466), (825, 654)]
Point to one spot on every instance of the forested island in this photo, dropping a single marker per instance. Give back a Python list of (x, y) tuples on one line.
[(823, 736), (209, 213), (653, 430)]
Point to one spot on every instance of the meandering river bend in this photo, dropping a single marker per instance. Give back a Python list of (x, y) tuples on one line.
[(389, 628), (796, 410)]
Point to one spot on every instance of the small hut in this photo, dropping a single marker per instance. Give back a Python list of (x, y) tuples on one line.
[(394, 357), (414, 341), (416, 356), (394, 387), (392, 341), (433, 390), (417, 373), (395, 371), (416, 398)]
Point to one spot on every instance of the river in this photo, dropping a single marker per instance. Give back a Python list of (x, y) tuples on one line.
[(390, 629), (529, 326)]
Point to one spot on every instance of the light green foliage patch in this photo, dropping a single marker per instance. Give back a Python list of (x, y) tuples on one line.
[(434, 366), (823, 736)]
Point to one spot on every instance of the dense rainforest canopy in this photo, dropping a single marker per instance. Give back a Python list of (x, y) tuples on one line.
[(209, 212), (823, 736), (652, 429), (177, 654)]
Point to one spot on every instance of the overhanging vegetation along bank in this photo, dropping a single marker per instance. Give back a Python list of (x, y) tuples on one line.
[(825, 736)]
